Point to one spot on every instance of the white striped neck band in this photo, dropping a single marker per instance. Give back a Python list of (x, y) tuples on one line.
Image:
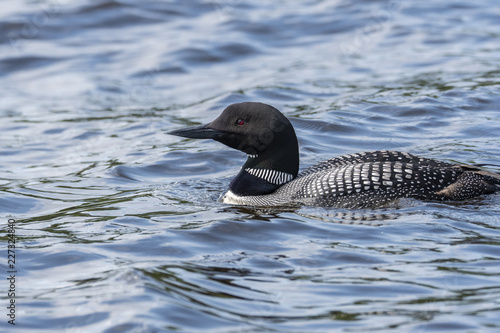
[(271, 176)]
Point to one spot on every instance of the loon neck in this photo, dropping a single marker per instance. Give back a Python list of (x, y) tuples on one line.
[(265, 173)]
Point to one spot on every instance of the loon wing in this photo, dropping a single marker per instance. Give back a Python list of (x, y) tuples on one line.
[(374, 156), (369, 184)]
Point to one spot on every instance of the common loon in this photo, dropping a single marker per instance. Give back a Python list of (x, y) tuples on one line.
[(270, 175)]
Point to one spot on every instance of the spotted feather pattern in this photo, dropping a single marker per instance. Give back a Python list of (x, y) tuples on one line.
[(371, 179)]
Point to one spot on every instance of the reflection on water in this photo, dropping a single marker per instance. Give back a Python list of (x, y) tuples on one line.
[(118, 225)]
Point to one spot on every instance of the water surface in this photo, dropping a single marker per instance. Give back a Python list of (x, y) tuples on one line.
[(118, 225)]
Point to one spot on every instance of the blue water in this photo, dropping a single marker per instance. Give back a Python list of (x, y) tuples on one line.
[(118, 228)]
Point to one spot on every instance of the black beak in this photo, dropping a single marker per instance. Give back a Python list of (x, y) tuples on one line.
[(197, 132)]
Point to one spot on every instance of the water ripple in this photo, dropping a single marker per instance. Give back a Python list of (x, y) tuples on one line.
[(118, 225)]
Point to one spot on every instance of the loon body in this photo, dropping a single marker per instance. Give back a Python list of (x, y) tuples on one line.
[(270, 175)]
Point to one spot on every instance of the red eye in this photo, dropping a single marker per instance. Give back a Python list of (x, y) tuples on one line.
[(240, 122)]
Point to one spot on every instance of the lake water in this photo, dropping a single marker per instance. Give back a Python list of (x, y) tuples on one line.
[(117, 225)]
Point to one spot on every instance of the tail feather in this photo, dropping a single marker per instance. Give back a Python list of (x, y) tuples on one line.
[(473, 181), (480, 165), (476, 168), (494, 175)]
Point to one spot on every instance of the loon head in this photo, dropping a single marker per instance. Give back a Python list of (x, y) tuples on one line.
[(265, 135)]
